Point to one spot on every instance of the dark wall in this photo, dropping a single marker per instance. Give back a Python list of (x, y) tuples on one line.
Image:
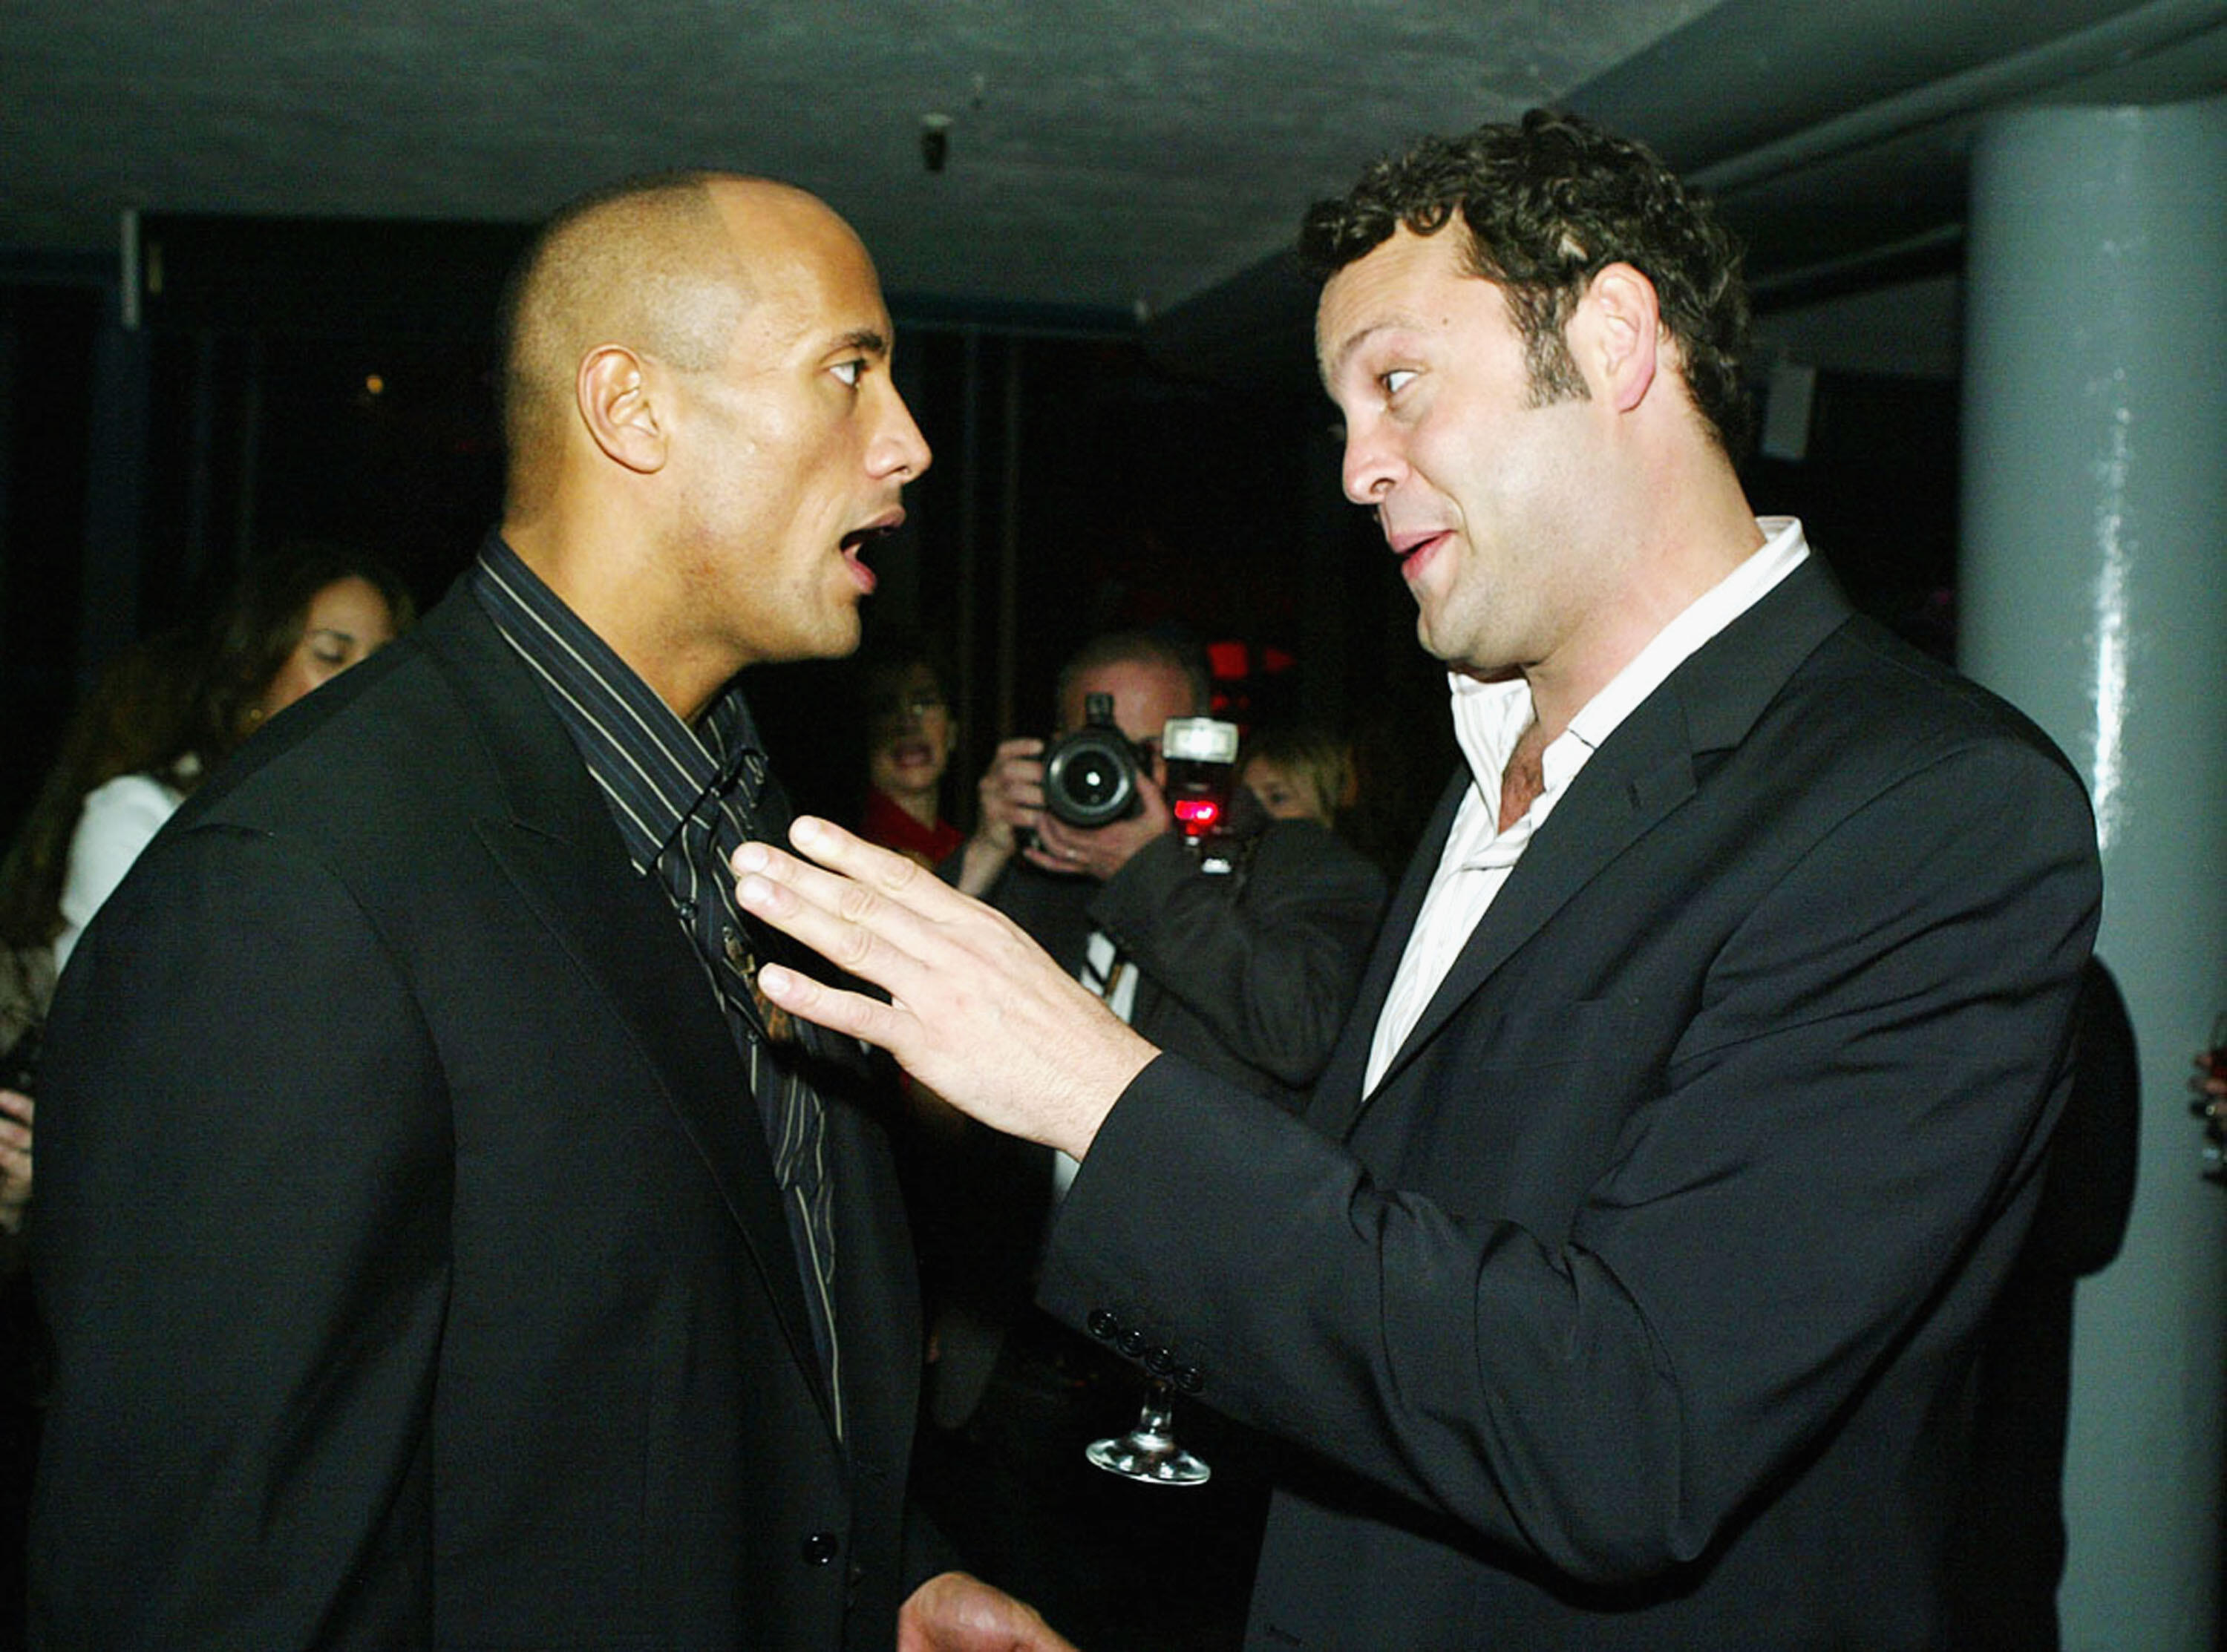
[(293, 382)]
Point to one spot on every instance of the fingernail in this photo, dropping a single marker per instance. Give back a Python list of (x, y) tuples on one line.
[(751, 858), (804, 831)]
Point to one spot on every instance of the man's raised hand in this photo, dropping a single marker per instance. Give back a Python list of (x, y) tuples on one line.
[(976, 1009)]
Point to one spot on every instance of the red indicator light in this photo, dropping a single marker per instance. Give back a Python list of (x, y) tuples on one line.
[(1197, 813)]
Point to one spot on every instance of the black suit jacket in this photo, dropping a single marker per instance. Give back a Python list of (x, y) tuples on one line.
[(416, 1267), (1635, 1307), (1249, 975)]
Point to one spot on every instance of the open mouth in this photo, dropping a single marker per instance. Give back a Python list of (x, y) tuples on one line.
[(853, 544), (1412, 550)]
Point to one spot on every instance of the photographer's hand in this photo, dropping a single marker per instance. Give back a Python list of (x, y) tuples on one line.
[(976, 1010), (1101, 851), (1010, 796), (15, 1110)]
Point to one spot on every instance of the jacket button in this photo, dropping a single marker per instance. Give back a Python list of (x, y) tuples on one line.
[(1189, 1379), (1159, 1362), (1131, 1342), (821, 1548), (1103, 1325)]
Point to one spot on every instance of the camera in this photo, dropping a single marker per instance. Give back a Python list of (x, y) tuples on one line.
[(1090, 774)]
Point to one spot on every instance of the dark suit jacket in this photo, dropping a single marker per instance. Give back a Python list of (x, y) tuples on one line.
[(416, 1267), (1635, 1308), (1248, 975)]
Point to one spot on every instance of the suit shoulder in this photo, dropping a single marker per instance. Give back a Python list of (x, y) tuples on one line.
[(1877, 687), (387, 735)]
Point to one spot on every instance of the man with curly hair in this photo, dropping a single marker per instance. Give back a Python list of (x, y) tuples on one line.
[(1621, 1282)]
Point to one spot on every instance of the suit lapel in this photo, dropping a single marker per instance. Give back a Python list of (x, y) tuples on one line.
[(1624, 789), (1645, 769), (557, 844), (1336, 1098)]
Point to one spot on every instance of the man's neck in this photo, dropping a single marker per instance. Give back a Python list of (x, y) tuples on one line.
[(613, 588), (1663, 579)]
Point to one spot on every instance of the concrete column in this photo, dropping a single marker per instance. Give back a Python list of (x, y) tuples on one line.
[(2093, 594)]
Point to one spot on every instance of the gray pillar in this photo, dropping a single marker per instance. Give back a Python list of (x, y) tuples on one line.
[(2093, 593)]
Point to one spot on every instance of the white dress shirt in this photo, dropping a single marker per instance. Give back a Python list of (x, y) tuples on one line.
[(1489, 719)]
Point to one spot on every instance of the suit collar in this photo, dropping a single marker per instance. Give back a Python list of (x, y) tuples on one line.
[(1643, 770)]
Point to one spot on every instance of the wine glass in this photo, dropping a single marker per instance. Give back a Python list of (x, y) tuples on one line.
[(1148, 1452)]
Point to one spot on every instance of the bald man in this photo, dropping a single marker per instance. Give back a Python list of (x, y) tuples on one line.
[(448, 1246)]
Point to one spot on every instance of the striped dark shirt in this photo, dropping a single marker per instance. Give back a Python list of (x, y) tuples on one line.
[(685, 798)]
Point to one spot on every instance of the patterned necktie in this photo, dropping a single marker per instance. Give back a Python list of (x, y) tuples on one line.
[(746, 804)]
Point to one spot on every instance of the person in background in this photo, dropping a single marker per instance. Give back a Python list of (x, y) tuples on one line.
[(1299, 773), (136, 719), (296, 620), (910, 739), (1622, 1283), (163, 712)]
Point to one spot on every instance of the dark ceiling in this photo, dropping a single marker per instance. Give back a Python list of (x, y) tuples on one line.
[(1106, 162)]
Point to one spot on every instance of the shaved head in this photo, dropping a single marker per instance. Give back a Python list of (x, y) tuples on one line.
[(653, 264), (704, 432)]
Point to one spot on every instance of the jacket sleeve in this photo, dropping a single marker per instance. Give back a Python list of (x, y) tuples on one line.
[(241, 1109), (1268, 959), (1867, 1074)]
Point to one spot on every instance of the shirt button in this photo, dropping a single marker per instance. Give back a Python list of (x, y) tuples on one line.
[(821, 1548), (687, 910)]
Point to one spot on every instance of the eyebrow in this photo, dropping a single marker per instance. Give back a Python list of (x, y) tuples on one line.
[(870, 340), (1350, 345)]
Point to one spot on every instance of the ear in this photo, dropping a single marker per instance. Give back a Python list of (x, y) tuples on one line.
[(616, 408), (1627, 345)]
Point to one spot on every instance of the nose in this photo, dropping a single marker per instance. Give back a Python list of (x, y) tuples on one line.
[(1372, 465), (898, 449)]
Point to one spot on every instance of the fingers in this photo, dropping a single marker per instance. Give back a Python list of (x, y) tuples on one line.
[(953, 1612), (834, 916), (870, 912), (14, 1155), (1011, 791), (868, 885), (862, 1017)]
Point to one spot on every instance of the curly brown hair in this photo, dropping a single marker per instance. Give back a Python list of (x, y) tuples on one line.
[(1547, 203)]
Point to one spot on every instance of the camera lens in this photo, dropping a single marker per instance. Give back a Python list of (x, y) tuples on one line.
[(1090, 777)]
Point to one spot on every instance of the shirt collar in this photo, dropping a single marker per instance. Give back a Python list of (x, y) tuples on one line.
[(1489, 718)]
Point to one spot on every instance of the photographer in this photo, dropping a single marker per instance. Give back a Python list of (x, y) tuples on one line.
[(1248, 973), (1242, 952)]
